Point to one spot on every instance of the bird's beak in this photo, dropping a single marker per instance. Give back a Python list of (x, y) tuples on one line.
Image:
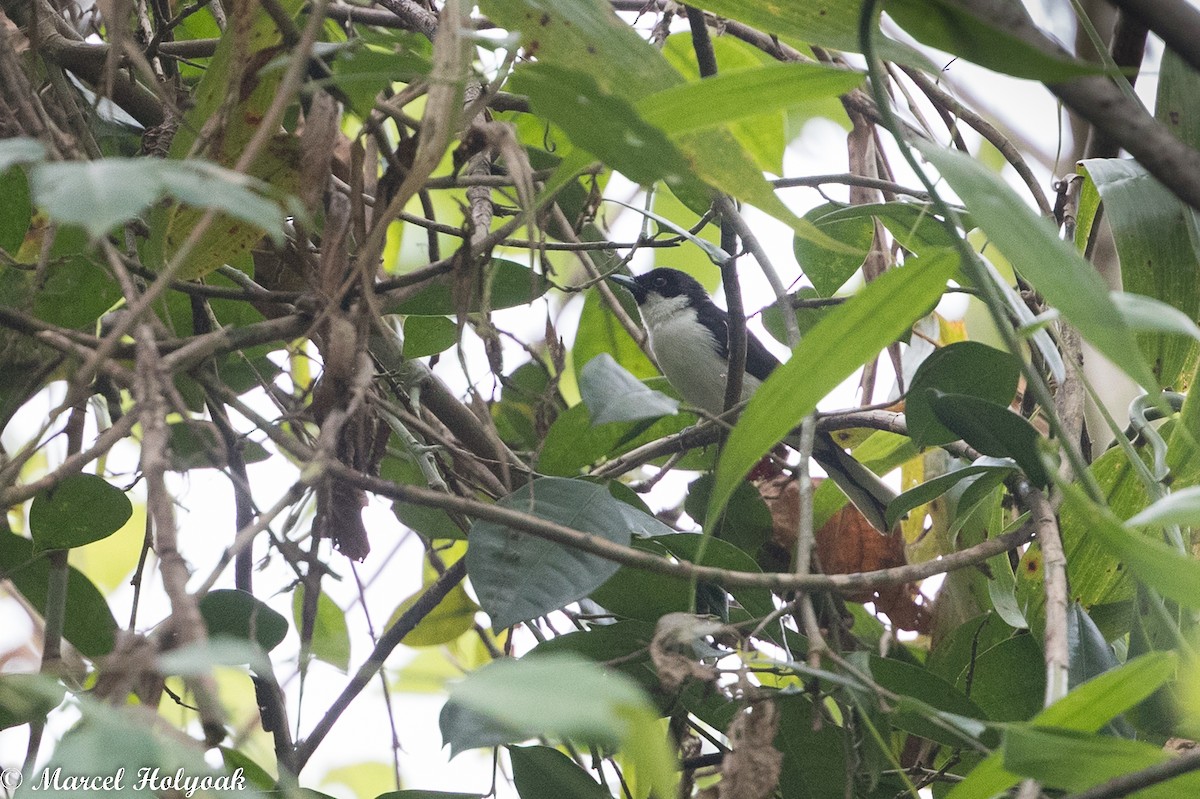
[(630, 285)]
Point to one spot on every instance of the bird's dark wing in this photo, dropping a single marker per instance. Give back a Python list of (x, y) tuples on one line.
[(759, 360)]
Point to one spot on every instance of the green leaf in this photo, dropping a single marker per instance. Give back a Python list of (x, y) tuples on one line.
[(573, 442), (27, 697), (734, 95), (199, 658), (1086, 708), (98, 195), (587, 38), (992, 430), (20, 150), (15, 211), (511, 284), (238, 614), (950, 27), (842, 342), (599, 331), (1030, 243), (1155, 236), (1089, 654), (1163, 568), (932, 489), (330, 637), (612, 394), (79, 510), (428, 335), (965, 367), (1180, 507), (518, 576), (561, 696), (606, 125), (1175, 106), (88, 624), (915, 682), (540, 772), (1075, 761), (449, 619), (828, 24), (828, 270)]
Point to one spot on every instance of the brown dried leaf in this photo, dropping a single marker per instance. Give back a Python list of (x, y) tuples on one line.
[(847, 544)]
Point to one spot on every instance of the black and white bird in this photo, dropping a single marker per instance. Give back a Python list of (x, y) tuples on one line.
[(689, 336)]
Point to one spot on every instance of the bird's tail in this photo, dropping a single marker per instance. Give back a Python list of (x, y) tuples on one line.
[(863, 487)]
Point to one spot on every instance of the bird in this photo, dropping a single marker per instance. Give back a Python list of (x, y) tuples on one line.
[(688, 335)]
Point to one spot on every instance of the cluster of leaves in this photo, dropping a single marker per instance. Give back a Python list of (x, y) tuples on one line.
[(262, 221)]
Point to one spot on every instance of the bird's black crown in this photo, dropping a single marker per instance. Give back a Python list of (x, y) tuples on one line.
[(665, 283)]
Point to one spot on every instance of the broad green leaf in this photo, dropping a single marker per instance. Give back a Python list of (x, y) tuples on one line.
[(561, 696), (1175, 106), (1086, 709), (1030, 243), (199, 657), (1163, 568), (518, 576), (238, 614), (731, 96), (540, 772), (587, 37), (428, 335), (747, 523), (236, 89), (992, 430), (948, 26), (842, 342), (20, 150), (98, 195), (432, 523), (27, 697), (510, 284), (612, 394), (1007, 680), (599, 331), (574, 443), (79, 510), (1074, 761), (362, 69), (449, 619), (764, 135), (964, 367), (1180, 507), (606, 125), (932, 489), (16, 210), (641, 595), (330, 641), (918, 683), (828, 270), (1155, 235), (827, 24), (1090, 655), (88, 624)]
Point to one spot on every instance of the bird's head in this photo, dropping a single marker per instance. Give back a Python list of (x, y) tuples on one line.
[(662, 290)]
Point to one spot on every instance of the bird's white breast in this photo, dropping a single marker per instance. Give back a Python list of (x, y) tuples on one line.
[(687, 355)]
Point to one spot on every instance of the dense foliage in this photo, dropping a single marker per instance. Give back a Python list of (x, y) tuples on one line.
[(308, 258)]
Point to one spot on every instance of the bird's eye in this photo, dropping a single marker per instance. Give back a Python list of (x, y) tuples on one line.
[(659, 282)]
